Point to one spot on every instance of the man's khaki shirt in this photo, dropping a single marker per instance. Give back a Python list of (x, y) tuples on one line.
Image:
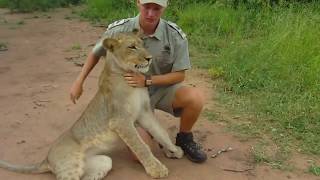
[(168, 45)]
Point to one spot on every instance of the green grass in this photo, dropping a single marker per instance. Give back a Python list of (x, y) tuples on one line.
[(108, 11), (21, 22), (261, 155), (211, 27), (76, 47), (269, 61), (3, 3), (314, 170), (3, 46), (211, 116), (278, 72)]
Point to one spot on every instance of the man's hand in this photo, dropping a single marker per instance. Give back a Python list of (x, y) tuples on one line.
[(135, 79), (75, 91)]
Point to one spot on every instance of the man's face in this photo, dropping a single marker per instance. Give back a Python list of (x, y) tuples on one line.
[(150, 13)]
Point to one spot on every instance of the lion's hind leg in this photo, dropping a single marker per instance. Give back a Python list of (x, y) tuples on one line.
[(97, 167), (66, 159), (69, 169)]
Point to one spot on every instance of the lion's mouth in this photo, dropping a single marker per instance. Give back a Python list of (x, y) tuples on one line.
[(142, 67)]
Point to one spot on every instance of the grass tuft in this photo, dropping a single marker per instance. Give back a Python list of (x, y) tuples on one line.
[(314, 170)]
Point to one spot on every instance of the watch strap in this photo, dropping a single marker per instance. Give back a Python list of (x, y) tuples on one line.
[(147, 81)]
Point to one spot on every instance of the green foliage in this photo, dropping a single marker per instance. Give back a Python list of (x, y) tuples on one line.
[(216, 72), (278, 70), (35, 5), (211, 27), (175, 7), (3, 3), (3, 46), (315, 170), (98, 10), (76, 47)]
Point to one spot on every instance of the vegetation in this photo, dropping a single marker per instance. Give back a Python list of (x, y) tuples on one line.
[(266, 54), (315, 170), (3, 46), (269, 60), (273, 61), (109, 11)]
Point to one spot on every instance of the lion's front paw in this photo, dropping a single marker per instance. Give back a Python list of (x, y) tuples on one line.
[(178, 153), (157, 170)]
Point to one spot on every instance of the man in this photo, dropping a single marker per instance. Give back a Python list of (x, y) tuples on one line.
[(169, 48)]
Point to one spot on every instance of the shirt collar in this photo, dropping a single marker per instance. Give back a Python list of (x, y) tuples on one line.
[(158, 34)]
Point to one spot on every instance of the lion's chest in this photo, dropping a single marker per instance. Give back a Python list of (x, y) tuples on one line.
[(137, 100), (130, 101)]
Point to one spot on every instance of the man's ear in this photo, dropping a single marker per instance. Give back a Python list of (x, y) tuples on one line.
[(110, 43)]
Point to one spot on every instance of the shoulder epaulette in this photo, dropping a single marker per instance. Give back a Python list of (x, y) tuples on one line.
[(117, 23), (177, 28)]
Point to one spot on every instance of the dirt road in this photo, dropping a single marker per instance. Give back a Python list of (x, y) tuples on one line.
[(41, 59)]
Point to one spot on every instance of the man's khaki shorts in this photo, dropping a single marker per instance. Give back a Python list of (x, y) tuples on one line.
[(162, 97)]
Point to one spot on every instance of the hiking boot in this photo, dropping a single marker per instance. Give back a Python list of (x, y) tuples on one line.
[(190, 148)]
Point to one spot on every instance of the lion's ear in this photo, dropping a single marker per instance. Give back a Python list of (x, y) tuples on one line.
[(110, 43), (137, 32)]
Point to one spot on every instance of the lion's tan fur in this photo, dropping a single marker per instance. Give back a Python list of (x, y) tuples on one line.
[(81, 152)]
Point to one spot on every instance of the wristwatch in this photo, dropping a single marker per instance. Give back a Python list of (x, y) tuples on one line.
[(147, 81)]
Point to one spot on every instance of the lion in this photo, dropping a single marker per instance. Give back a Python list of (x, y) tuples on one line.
[(82, 151)]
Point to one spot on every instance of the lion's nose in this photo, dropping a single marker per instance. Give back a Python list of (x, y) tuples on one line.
[(148, 58)]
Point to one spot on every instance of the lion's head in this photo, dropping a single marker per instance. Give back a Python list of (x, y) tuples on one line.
[(129, 52)]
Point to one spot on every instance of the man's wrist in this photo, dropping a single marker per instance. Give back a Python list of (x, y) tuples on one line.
[(147, 81), (79, 81)]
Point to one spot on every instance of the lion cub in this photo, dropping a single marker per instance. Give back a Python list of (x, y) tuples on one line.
[(81, 152)]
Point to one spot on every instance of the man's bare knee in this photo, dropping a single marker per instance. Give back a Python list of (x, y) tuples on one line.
[(187, 96)]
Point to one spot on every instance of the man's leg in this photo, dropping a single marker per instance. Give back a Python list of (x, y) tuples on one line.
[(187, 103), (190, 101)]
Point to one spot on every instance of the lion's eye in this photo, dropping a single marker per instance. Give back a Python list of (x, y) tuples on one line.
[(132, 47)]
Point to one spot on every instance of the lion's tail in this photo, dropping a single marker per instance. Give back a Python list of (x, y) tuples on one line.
[(32, 168)]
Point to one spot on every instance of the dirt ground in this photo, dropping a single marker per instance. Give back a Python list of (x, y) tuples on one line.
[(41, 59)]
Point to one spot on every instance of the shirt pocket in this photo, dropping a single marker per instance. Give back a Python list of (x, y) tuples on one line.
[(165, 61)]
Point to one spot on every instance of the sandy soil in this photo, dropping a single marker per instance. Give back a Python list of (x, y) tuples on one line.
[(36, 71)]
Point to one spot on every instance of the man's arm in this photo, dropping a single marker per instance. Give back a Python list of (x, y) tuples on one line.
[(138, 80), (76, 88), (168, 79)]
